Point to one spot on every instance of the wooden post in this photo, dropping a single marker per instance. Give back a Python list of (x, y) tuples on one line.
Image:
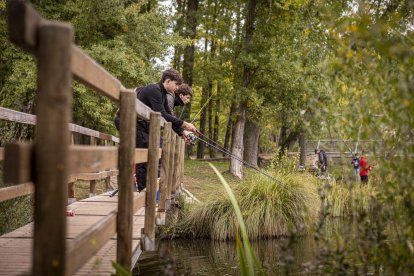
[(92, 188), (125, 181), (92, 183), (182, 163), (176, 165), (94, 141), (148, 238), (71, 193), (107, 183), (165, 159), (170, 171), (53, 109)]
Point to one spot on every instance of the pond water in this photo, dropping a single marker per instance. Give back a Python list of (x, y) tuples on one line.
[(204, 257)]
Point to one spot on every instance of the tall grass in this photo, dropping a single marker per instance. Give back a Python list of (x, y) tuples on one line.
[(268, 208), (345, 199)]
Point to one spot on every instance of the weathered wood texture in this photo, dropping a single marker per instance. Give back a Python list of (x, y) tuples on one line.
[(90, 73), (181, 180), (18, 163), (170, 190), (16, 191), (53, 109), (125, 183), (29, 119), (165, 161), (84, 237), (177, 160), (152, 175)]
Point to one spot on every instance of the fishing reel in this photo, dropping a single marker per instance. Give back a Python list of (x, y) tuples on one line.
[(191, 139)]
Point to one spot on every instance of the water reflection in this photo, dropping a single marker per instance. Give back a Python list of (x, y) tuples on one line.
[(204, 257)]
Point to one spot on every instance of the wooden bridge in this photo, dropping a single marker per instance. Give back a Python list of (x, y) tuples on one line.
[(104, 229)]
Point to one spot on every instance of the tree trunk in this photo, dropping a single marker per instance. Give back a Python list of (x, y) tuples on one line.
[(178, 28), (302, 147), (216, 118), (227, 137), (236, 167), (281, 140), (200, 145), (251, 142), (188, 62), (210, 115)]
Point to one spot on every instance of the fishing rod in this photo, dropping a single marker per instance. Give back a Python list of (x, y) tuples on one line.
[(215, 143), (201, 109), (248, 165)]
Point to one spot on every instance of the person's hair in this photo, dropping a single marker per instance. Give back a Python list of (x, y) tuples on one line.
[(316, 150), (185, 90), (173, 75)]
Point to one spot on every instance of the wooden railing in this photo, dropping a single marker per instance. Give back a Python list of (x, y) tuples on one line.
[(52, 162), (27, 188)]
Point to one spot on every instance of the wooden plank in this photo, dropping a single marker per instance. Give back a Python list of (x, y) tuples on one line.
[(182, 161), (25, 118), (1, 154), (87, 244), (23, 22), (125, 183), (16, 191), (171, 169), (86, 159), (89, 72), (165, 161), (152, 175), (144, 112), (141, 156), (16, 116), (18, 163), (53, 109), (92, 133), (176, 164), (93, 176), (86, 162)]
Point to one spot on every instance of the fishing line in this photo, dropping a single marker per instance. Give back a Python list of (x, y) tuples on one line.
[(194, 137), (205, 104)]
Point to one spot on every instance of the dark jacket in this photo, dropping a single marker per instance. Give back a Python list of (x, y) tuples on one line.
[(154, 96), (322, 158)]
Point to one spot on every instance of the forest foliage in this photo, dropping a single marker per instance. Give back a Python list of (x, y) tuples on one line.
[(303, 68)]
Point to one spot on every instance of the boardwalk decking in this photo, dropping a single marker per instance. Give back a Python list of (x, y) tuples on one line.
[(16, 246)]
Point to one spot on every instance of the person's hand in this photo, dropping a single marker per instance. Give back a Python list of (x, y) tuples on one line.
[(189, 127), (186, 137)]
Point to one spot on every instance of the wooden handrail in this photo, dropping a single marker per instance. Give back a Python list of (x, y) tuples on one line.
[(25, 118), (82, 159), (11, 192)]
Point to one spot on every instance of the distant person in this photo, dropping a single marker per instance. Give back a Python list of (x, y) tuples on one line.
[(355, 163), (364, 169), (322, 160), (181, 97)]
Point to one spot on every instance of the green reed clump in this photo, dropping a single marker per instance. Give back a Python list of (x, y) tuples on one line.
[(269, 208), (344, 199)]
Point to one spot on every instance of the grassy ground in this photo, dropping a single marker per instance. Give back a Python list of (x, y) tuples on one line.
[(201, 180)]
